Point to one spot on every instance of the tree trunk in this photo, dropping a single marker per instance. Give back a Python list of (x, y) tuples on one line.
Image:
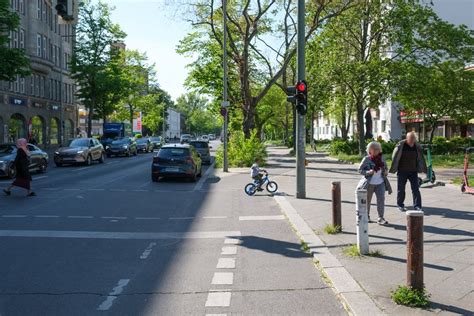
[(131, 120), (249, 119), (89, 123), (360, 127), (433, 129)]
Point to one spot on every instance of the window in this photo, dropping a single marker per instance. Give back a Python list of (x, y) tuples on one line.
[(53, 55), (15, 39), (32, 85), (37, 86), (44, 11), (22, 85), (384, 126), (38, 45), (16, 84), (22, 38), (38, 9), (43, 46), (42, 86), (22, 7)]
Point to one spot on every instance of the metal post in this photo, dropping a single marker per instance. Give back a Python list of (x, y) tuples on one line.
[(336, 204), (61, 112), (164, 123), (300, 125), (362, 222), (415, 249), (224, 94)]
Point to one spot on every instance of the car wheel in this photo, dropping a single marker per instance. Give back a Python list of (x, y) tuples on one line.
[(43, 165), (128, 153), (89, 160), (11, 171), (155, 178), (193, 178), (102, 158)]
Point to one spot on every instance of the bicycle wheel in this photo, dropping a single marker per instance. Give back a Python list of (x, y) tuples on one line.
[(272, 186), (250, 189)]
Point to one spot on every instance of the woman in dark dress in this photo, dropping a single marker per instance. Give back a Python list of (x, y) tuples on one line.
[(22, 161)]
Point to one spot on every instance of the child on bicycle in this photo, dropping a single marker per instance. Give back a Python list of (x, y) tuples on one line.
[(257, 174)]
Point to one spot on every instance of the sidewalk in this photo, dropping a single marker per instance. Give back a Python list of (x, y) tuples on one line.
[(448, 226)]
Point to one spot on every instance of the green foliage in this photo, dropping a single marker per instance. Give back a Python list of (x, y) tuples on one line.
[(453, 145), (405, 295), (348, 147), (353, 251), (242, 152), (332, 230), (199, 115), (13, 61)]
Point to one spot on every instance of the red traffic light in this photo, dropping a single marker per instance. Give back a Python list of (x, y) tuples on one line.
[(301, 87)]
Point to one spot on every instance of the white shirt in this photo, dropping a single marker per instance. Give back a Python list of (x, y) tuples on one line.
[(377, 178)]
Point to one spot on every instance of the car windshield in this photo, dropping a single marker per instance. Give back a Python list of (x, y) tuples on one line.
[(6, 149), (84, 142), (156, 139), (121, 141), (142, 140), (173, 152), (199, 144)]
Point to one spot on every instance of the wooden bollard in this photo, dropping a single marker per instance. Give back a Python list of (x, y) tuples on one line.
[(336, 204), (415, 249), (362, 222)]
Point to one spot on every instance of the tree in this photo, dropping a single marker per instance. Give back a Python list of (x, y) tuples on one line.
[(13, 61), (199, 117), (95, 35)]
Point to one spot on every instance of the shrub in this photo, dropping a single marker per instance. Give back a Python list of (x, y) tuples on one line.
[(242, 152), (348, 147), (388, 147), (405, 295), (443, 146)]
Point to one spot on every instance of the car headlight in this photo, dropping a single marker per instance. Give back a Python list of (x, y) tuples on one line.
[(56, 152), (124, 146), (80, 152), (107, 147)]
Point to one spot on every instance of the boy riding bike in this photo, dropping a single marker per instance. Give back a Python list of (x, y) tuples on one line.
[(257, 174)]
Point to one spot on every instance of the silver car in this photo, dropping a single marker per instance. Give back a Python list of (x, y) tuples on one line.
[(80, 151), (38, 160)]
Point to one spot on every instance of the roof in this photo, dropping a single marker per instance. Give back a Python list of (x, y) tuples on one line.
[(176, 146)]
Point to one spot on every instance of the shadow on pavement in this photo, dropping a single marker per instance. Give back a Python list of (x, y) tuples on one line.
[(426, 265), (437, 230), (449, 308), (448, 213), (279, 247)]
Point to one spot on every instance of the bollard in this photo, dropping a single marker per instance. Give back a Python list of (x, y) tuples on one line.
[(362, 222), (336, 204), (415, 249)]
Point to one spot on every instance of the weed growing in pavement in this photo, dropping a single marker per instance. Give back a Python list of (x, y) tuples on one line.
[(353, 251), (375, 253), (304, 246), (332, 230), (408, 296)]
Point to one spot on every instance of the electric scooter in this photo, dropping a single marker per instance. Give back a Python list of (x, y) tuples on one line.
[(430, 174), (465, 183)]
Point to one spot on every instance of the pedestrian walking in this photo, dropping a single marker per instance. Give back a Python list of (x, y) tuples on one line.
[(375, 170), (21, 163), (407, 162)]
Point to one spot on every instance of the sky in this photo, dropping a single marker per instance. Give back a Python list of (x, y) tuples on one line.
[(154, 27)]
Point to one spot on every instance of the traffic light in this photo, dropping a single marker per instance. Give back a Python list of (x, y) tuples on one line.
[(64, 9), (301, 97), (291, 94)]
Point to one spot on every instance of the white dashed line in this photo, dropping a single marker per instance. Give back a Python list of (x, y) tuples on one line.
[(218, 299), (80, 216), (226, 263), (231, 250), (14, 216), (180, 218), (107, 304), (261, 218), (147, 251), (47, 216), (80, 169), (39, 178), (147, 218), (139, 190), (113, 217), (214, 217), (72, 189), (221, 278), (232, 241)]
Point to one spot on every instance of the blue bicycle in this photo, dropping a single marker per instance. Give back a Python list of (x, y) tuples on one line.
[(252, 188)]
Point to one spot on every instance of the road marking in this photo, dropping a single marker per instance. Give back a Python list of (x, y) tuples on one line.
[(80, 169), (261, 218), (221, 278), (218, 299), (47, 216), (117, 235), (117, 190), (214, 217), (180, 218), (95, 189), (147, 218), (139, 190), (204, 177), (80, 216), (231, 250), (113, 217), (147, 251), (72, 189), (51, 189), (14, 216), (232, 241), (107, 304), (226, 263), (40, 177)]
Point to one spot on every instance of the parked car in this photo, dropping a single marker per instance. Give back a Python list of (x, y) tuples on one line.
[(144, 145), (176, 160), (125, 146), (204, 138), (80, 151), (202, 148), (38, 160), (212, 137), (157, 142), (185, 138)]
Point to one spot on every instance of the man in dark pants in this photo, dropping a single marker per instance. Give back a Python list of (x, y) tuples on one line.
[(407, 162)]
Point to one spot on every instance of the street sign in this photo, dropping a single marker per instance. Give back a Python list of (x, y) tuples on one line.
[(223, 111), (225, 104)]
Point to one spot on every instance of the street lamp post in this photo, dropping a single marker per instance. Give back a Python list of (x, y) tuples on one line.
[(225, 102), (300, 124)]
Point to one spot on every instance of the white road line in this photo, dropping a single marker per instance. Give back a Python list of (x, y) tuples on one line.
[(180, 218), (14, 216), (147, 218), (218, 299), (113, 217), (117, 235), (80, 169), (72, 189), (147, 251), (40, 177), (214, 217), (230, 250), (107, 304), (80, 216), (47, 216), (226, 263), (204, 177), (221, 278), (117, 190), (232, 241), (139, 190), (95, 189), (262, 218)]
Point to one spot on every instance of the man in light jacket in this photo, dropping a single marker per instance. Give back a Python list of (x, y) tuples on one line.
[(407, 162)]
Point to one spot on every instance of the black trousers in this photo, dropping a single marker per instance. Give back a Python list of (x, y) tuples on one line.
[(402, 178)]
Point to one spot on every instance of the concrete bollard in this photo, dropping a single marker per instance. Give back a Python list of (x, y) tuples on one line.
[(336, 204), (415, 249), (362, 222)]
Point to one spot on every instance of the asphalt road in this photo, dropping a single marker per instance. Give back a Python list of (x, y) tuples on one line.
[(105, 240)]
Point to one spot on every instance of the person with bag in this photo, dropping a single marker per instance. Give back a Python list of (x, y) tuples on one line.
[(21, 163), (374, 169)]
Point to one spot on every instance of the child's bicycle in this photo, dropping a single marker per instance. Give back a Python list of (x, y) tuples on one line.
[(252, 188)]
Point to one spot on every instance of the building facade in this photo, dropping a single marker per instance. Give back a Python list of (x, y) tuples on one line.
[(173, 124), (41, 106)]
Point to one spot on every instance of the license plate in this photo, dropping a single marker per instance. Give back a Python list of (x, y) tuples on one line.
[(171, 169)]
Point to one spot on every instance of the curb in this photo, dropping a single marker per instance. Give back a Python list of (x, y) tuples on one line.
[(343, 283)]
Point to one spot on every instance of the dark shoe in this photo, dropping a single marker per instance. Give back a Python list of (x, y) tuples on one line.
[(369, 220), (32, 194), (402, 208), (8, 193), (259, 189)]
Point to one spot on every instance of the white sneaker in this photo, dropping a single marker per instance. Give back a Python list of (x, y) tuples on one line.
[(382, 221)]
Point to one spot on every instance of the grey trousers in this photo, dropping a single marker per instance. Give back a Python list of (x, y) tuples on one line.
[(379, 191)]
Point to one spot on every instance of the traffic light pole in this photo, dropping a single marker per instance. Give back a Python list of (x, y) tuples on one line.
[(225, 103), (300, 123)]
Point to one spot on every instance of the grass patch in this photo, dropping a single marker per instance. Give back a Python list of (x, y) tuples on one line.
[(304, 247), (450, 161), (459, 180), (353, 251), (332, 230), (405, 295)]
